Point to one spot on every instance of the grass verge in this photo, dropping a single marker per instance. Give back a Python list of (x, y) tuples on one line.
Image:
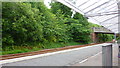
[(23, 49)]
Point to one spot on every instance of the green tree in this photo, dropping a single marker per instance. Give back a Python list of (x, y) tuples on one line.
[(58, 8), (20, 24)]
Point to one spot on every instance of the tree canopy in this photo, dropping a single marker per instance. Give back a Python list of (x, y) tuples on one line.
[(32, 22)]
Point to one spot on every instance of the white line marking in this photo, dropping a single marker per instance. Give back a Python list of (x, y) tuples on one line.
[(89, 57), (83, 61), (96, 54), (46, 54)]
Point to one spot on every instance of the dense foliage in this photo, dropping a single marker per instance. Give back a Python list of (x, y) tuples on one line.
[(78, 26), (105, 37), (32, 23)]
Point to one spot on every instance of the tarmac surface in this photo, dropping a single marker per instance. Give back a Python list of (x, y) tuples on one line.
[(96, 60), (90, 56)]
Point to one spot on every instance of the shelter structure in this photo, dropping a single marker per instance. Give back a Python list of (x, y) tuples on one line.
[(102, 12), (99, 30)]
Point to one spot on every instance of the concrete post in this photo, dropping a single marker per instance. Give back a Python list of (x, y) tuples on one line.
[(107, 55)]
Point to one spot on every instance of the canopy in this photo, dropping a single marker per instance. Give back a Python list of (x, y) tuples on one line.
[(102, 12)]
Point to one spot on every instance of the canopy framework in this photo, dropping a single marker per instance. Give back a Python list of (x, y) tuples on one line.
[(102, 12)]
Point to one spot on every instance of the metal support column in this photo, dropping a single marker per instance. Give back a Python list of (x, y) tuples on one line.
[(119, 23), (115, 36), (107, 55)]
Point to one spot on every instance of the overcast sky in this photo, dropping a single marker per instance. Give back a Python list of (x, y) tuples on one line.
[(46, 2)]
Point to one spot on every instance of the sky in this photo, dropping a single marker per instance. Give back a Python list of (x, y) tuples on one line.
[(46, 2)]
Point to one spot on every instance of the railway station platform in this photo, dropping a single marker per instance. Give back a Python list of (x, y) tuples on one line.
[(96, 60), (84, 56)]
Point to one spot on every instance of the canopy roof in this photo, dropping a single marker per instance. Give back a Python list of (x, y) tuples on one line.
[(102, 12)]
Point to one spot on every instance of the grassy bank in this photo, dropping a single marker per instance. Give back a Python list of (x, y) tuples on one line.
[(23, 49)]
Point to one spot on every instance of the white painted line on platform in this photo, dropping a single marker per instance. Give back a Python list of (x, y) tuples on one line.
[(90, 57), (83, 61), (46, 54), (96, 54)]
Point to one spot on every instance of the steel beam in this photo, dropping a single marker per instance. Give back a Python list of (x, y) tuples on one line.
[(111, 25), (106, 7), (84, 3), (113, 28), (102, 14), (109, 18), (96, 7), (112, 7), (92, 4)]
